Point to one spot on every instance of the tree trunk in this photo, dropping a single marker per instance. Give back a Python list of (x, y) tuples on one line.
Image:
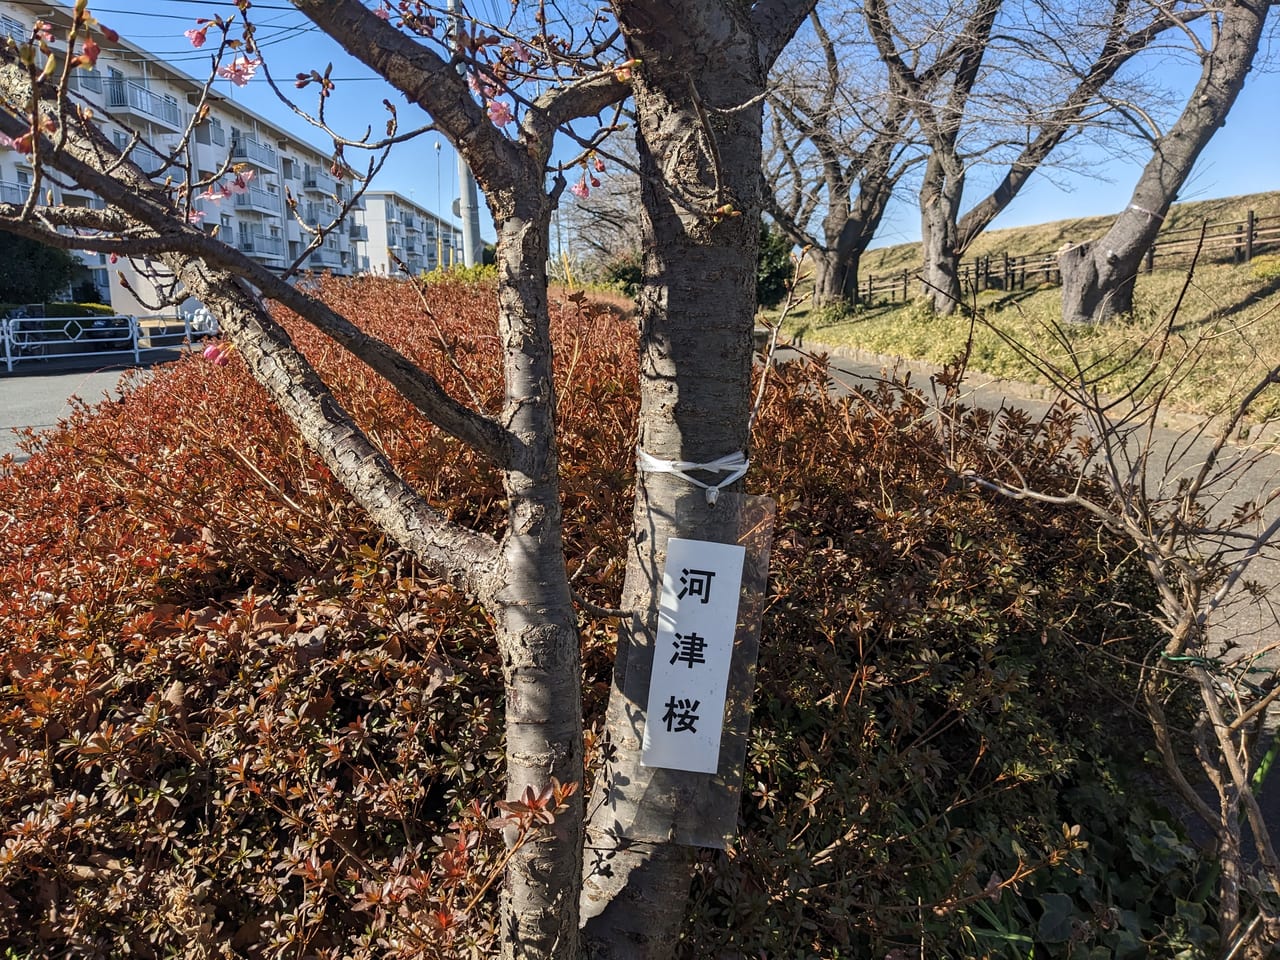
[(700, 150), (939, 206), (533, 611), (835, 278), (1098, 277)]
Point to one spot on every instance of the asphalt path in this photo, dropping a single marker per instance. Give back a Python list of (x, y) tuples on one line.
[(39, 396)]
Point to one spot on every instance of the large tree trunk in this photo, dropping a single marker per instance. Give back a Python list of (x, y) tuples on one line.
[(835, 275), (700, 150), (939, 208), (1098, 276), (849, 229)]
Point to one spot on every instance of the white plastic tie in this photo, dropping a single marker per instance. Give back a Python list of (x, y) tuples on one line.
[(734, 464), (1150, 213)]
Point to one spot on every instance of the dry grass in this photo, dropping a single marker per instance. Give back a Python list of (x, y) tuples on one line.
[(1222, 337)]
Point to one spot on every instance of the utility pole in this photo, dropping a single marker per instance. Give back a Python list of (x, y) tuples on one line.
[(468, 200)]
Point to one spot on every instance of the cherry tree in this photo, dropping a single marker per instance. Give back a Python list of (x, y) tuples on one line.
[(838, 144), (696, 71), (1098, 275), (1006, 89)]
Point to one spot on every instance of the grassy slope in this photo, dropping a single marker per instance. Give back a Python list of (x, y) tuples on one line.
[(1226, 332)]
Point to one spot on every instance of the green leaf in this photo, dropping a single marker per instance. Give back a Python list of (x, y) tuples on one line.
[(1056, 921)]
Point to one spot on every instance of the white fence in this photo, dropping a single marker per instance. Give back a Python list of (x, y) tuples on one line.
[(47, 338)]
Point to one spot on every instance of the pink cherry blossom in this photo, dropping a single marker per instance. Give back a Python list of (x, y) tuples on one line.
[(580, 189), (382, 13), (89, 54), (44, 31), (520, 52), (499, 113), (6, 141), (195, 216), (197, 35), (240, 71), (113, 258), (599, 165), (241, 182), (218, 353)]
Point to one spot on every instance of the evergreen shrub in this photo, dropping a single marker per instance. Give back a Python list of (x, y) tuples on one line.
[(235, 721)]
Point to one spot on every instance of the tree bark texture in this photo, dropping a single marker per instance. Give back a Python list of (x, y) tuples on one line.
[(1098, 276), (939, 207), (698, 103), (533, 611)]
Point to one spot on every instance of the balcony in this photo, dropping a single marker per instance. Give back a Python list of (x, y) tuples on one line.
[(130, 96), (320, 213), (12, 192), (256, 153), (153, 164), (411, 222), (82, 199), (14, 30), (259, 200), (317, 181), (358, 232), (325, 258), (260, 245)]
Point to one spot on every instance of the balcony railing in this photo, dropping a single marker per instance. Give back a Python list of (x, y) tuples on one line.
[(134, 97), (257, 244), (260, 200), (410, 222), (246, 148), (358, 232), (325, 257), (320, 213), (14, 30), (318, 181), (12, 192)]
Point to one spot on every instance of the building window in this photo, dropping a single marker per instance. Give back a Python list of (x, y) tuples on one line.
[(219, 135), (10, 27)]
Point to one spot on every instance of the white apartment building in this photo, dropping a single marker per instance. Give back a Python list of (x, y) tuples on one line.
[(400, 230), (133, 92)]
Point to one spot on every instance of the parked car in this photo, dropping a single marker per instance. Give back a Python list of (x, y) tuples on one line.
[(109, 333)]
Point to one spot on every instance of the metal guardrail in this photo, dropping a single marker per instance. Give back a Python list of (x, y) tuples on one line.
[(24, 339)]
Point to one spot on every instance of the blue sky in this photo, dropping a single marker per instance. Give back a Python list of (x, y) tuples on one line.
[(1244, 156)]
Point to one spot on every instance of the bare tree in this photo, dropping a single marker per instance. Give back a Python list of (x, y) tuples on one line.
[(1199, 510), (697, 71), (1098, 275), (837, 147), (1008, 88), (603, 227)]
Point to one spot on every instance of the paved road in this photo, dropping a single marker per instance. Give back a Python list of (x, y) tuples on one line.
[(31, 398)]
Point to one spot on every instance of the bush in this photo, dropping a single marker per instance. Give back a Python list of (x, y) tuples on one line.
[(484, 272), (625, 274), (238, 722), (774, 269), (1265, 268), (31, 271)]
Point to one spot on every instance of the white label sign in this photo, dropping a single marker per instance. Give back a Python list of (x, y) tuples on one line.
[(697, 620)]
